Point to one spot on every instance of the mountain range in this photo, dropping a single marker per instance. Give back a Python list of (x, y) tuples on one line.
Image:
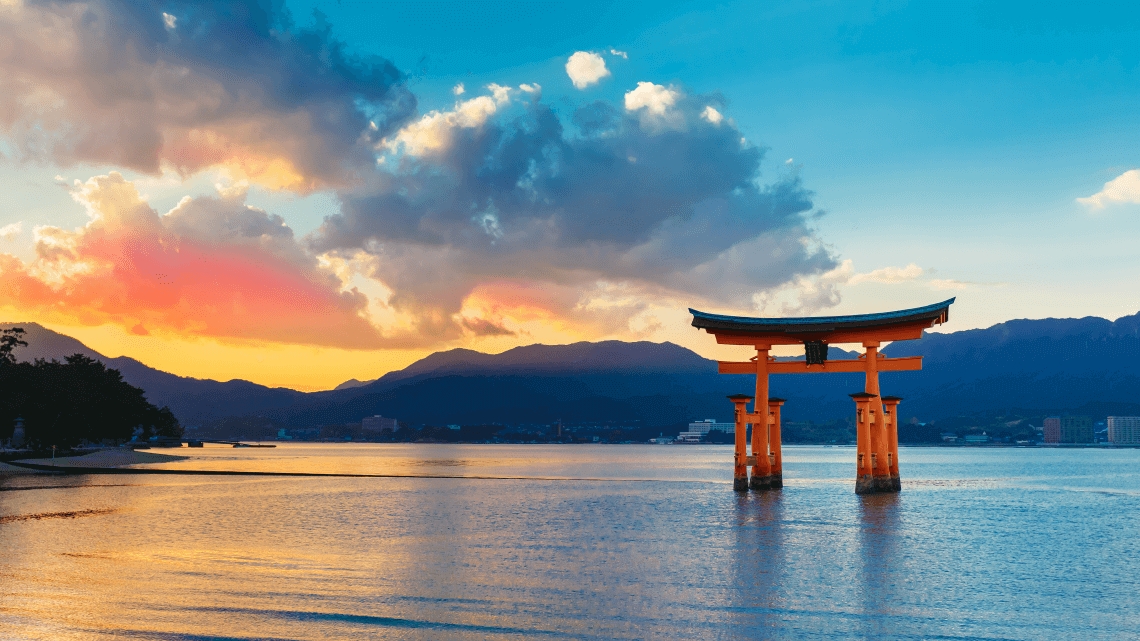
[(1086, 365)]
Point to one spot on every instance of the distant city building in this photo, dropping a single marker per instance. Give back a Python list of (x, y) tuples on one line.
[(378, 423), (1051, 430), (976, 438), (709, 424), (1124, 430), (690, 437), (1076, 429)]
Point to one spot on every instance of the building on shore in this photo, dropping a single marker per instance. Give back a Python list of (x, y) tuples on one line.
[(700, 429), (709, 424), (1051, 430), (1076, 429), (1068, 429), (1124, 430), (378, 423)]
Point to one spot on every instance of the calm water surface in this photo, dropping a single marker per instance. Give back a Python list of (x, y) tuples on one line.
[(618, 541)]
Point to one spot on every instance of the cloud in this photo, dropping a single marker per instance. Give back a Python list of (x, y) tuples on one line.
[(586, 68), (656, 99), (1125, 188), (458, 89), (235, 86), (623, 54), (806, 295), (484, 327), (590, 225), (657, 107), (9, 232), (712, 115), (435, 130), (212, 266), (888, 275), (949, 283)]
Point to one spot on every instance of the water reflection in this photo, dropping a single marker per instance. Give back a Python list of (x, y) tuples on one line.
[(759, 562), (879, 535)]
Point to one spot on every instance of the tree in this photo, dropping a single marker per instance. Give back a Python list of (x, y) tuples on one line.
[(9, 340), (77, 400)]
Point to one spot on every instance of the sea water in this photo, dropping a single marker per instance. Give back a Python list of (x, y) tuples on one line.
[(576, 542)]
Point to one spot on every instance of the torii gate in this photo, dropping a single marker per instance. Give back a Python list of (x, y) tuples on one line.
[(877, 467)]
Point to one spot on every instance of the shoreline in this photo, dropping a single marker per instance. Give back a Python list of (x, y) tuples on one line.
[(102, 459)]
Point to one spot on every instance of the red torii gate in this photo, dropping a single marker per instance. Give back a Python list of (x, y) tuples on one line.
[(877, 466)]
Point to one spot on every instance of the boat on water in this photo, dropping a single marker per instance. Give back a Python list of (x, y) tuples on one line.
[(254, 445)]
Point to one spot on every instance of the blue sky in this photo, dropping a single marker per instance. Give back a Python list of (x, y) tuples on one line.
[(894, 154)]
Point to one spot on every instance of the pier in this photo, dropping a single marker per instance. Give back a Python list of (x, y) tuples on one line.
[(876, 417)]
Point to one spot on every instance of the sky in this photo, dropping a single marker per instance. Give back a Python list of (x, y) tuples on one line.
[(302, 193)]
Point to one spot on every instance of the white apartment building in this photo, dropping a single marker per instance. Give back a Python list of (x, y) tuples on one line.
[(378, 423), (1124, 430), (709, 424)]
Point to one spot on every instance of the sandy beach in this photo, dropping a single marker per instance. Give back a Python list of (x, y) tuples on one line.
[(116, 457)]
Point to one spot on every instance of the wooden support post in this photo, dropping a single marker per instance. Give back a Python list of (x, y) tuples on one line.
[(864, 481), (774, 434), (762, 470), (880, 469), (891, 407), (740, 462)]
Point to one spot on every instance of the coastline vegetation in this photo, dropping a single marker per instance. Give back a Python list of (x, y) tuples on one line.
[(79, 400)]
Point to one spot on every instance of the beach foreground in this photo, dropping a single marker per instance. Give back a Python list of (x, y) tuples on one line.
[(116, 457)]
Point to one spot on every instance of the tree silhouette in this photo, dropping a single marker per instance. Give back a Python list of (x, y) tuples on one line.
[(78, 400), (9, 340)]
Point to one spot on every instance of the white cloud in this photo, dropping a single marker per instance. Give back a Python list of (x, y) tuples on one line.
[(712, 115), (534, 88), (169, 20), (615, 52), (9, 232), (811, 294), (655, 98), (805, 295), (888, 275), (434, 130), (1125, 188), (660, 108), (500, 93), (948, 283), (458, 89), (586, 68)]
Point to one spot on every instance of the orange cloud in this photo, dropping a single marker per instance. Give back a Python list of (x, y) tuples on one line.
[(210, 267)]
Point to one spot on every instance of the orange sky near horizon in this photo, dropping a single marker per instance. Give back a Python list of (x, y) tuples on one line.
[(309, 368)]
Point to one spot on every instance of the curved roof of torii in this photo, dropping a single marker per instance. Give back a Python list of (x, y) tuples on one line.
[(937, 313)]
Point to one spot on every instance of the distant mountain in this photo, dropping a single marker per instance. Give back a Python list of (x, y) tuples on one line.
[(1087, 365), (1052, 364), (632, 383), (351, 383), (1046, 366), (192, 400)]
